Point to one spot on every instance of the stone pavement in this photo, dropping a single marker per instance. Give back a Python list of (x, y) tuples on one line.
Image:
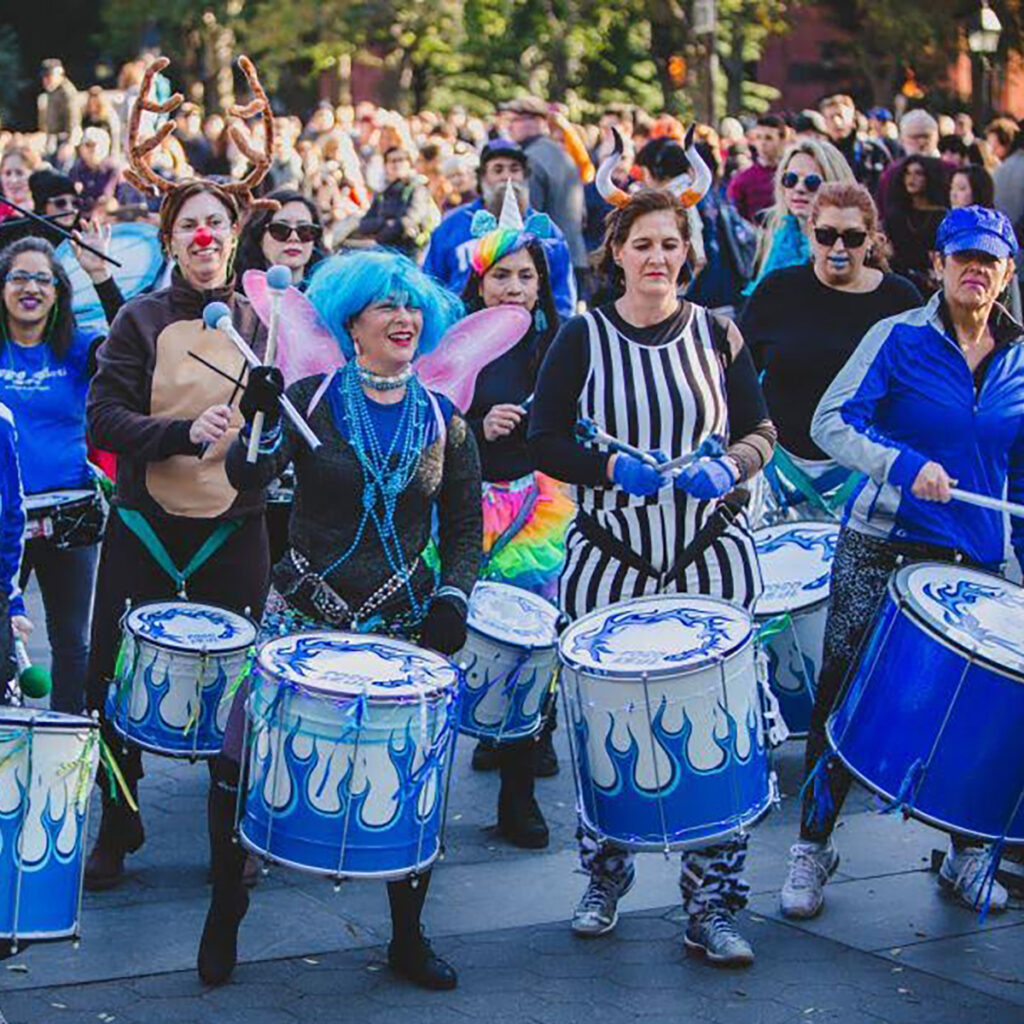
[(888, 948)]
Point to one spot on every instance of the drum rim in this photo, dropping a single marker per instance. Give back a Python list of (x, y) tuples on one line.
[(491, 584), (84, 494), (905, 602), (441, 692), (65, 722), (676, 670), (760, 616), (195, 651)]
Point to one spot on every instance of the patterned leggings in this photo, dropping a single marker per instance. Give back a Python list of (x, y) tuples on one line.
[(709, 879)]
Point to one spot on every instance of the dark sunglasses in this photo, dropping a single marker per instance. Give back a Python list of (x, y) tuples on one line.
[(63, 203), (281, 232), (812, 182), (852, 239)]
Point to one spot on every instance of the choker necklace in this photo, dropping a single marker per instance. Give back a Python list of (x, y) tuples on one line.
[(382, 382)]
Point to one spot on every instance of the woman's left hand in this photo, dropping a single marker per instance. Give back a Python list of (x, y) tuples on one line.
[(98, 236), (444, 628), (22, 625), (708, 478)]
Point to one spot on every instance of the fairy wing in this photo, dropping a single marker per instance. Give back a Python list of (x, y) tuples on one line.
[(467, 347), (304, 344)]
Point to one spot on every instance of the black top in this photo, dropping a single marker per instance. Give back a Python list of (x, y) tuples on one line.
[(564, 372), (510, 378), (801, 333)]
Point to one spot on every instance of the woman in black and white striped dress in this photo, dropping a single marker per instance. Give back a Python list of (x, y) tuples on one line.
[(662, 375)]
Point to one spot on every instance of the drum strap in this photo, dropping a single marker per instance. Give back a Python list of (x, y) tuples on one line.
[(782, 471), (139, 525)]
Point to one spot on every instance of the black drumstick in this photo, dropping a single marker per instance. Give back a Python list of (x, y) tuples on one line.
[(30, 215)]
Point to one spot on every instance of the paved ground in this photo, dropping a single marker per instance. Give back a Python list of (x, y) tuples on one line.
[(889, 948)]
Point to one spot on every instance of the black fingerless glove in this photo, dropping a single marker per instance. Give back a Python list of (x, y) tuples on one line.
[(444, 627), (262, 394)]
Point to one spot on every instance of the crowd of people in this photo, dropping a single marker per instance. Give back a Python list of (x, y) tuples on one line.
[(828, 292)]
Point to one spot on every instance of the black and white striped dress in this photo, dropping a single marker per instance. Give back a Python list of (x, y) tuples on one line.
[(670, 395)]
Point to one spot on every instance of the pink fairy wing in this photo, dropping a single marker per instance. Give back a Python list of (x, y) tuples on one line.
[(468, 347), (304, 344)]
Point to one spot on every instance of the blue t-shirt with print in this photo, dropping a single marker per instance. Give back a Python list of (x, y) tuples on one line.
[(47, 397)]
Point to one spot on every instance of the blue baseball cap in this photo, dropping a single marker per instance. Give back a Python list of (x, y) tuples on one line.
[(880, 113), (978, 228)]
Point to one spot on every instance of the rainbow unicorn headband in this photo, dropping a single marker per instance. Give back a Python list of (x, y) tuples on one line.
[(689, 188), (497, 237)]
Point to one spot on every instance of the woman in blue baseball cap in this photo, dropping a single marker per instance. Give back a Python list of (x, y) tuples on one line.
[(931, 396)]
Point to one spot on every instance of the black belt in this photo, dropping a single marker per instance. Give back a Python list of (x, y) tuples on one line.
[(717, 523)]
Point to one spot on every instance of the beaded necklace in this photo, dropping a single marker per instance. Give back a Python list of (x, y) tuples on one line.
[(386, 474)]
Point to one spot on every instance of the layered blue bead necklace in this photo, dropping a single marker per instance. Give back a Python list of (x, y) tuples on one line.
[(386, 474)]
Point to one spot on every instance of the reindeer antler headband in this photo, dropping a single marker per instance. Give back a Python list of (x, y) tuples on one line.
[(141, 174), (689, 188)]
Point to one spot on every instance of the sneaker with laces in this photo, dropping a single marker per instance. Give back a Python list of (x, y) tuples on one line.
[(715, 937), (811, 865), (597, 912), (963, 875)]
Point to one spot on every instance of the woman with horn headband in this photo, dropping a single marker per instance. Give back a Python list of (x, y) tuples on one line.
[(662, 374), (164, 401), (526, 513)]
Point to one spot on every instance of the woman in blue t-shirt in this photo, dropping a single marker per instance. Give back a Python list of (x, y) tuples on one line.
[(44, 375)]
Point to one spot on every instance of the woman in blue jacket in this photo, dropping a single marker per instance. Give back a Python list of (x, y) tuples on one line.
[(44, 376), (931, 396)]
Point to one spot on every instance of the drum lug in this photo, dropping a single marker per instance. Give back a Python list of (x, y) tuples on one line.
[(775, 793)]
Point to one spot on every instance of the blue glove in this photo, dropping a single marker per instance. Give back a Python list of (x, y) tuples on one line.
[(707, 478), (637, 477)]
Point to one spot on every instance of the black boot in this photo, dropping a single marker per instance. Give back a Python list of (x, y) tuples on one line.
[(519, 817), (218, 948), (409, 953), (545, 763), (121, 833), (485, 756)]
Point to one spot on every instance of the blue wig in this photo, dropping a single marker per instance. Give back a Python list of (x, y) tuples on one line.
[(344, 285)]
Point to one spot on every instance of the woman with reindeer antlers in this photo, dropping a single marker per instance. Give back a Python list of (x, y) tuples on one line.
[(661, 374), (158, 404)]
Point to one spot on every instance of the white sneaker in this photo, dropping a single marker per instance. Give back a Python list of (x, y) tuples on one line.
[(811, 865), (598, 910), (963, 875)]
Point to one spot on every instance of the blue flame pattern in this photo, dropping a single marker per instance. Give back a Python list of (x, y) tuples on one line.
[(956, 600), (518, 685), (156, 623)]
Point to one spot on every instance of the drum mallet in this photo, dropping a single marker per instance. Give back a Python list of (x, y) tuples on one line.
[(589, 431), (982, 500), (278, 280), (33, 680), (217, 317)]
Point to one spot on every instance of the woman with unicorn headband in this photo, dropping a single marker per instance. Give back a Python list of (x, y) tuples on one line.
[(526, 513), (656, 373)]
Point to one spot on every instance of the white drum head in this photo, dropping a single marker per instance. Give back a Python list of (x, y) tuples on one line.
[(182, 625), (665, 635), (54, 499), (974, 610), (356, 664), (796, 564), (512, 615), (21, 718)]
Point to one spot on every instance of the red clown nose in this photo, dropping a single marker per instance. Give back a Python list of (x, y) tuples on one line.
[(203, 237)]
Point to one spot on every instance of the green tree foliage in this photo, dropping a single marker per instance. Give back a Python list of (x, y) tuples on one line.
[(11, 81)]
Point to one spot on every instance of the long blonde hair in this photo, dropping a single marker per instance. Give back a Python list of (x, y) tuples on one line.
[(833, 167)]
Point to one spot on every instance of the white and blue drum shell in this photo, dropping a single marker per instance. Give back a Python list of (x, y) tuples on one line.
[(176, 660), (796, 565), (349, 748), (666, 721), (933, 713), (47, 765), (509, 660)]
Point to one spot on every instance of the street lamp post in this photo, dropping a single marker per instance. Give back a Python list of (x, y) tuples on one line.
[(983, 33)]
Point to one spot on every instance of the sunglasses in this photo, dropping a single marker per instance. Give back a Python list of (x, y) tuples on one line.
[(63, 202), (812, 182), (21, 279), (281, 232), (852, 238)]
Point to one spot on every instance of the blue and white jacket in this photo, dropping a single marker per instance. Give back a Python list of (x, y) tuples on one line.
[(12, 517), (906, 397)]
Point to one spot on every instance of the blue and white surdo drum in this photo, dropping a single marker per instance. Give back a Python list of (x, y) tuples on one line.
[(666, 724), (796, 565), (176, 660), (350, 739), (47, 764), (933, 713), (509, 660)]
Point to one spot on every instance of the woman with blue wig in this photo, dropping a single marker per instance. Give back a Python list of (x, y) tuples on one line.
[(360, 555)]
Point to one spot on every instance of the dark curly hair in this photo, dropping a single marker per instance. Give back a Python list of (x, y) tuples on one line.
[(250, 244), (62, 329)]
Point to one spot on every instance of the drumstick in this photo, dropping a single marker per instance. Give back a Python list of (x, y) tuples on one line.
[(46, 222), (998, 504), (278, 280), (217, 317), (588, 430)]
